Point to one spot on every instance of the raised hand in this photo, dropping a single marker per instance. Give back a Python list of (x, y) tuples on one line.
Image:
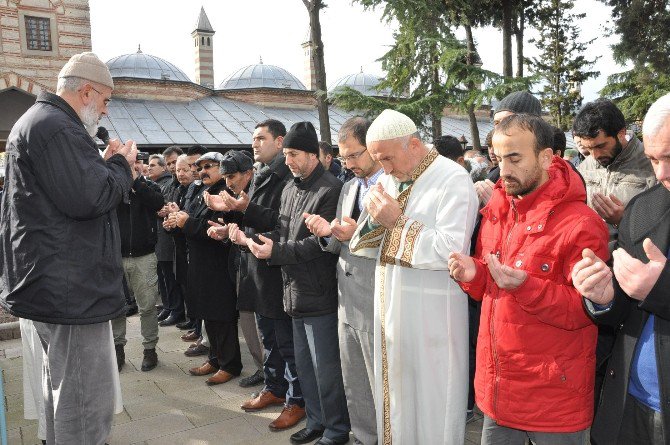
[(610, 208), (593, 279), (506, 277), (461, 267), (316, 224), (635, 277), (260, 251), (343, 230)]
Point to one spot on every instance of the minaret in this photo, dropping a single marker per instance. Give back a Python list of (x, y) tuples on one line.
[(203, 39), (309, 71)]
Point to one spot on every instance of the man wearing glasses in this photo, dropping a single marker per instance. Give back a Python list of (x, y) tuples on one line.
[(355, 279), (60, 248)]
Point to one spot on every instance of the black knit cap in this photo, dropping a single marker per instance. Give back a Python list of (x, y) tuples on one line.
[(520, 102), (302, 136), (236, 161)]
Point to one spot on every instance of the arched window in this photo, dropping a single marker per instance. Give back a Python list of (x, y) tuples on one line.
[(196, 42), (208, 42), (203, 40)]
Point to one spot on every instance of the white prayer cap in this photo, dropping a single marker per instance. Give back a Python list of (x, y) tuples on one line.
[(390, 124)]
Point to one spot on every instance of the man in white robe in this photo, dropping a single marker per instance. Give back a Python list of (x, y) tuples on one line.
[(423, 209)]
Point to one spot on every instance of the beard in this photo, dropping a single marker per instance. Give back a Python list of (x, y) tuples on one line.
[(520, 187), (90, 118), (606, 160)]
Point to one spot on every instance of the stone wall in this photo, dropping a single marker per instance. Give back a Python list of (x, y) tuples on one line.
[(272, 97), (33, 70)]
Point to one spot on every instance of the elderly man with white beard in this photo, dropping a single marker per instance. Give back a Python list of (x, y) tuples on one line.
[(60, 252)]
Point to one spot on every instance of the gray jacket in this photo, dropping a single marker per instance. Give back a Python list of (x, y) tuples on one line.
[(355, 274), (628, 175)]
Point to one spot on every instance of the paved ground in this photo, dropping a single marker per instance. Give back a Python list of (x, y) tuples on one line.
[(167, 405)]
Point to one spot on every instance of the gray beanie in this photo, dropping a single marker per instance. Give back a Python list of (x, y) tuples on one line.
[(87, 66), (520, 102)]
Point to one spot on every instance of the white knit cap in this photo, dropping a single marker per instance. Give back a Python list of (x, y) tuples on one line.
[(87, 66), (390, 124)]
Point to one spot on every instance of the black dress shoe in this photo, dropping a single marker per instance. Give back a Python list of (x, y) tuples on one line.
[(327, 441), (171, 320), (255, 379), (305, 435), (186, 325), (162, 315)]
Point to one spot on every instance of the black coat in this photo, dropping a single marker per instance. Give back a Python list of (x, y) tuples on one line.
[(164, 242), (260, 286), (137, 218), (310, 283), (60, 250), (210, 288), (646, 216)]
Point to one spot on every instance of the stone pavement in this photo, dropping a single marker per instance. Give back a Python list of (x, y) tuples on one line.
[(167, 405)]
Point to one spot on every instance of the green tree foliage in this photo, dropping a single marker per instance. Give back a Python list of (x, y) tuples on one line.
[(635, 90), (428, 68), (561, 66), (644, 30)]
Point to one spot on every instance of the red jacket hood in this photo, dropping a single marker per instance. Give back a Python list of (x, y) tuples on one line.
[(564, 185)]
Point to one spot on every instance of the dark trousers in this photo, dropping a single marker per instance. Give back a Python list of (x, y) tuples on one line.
[(317, 358), (281, 377), (224, 346), (474, 312), (640, 425), (173, 299)]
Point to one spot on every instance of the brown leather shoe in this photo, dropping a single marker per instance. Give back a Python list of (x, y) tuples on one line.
[(205, 369), (290, 415), (263, 400), (220, 377), (190, 336)]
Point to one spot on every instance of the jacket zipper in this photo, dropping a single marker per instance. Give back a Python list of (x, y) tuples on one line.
[(496, 380)]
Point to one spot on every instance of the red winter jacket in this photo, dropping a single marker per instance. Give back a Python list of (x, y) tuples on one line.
[(536, 344)]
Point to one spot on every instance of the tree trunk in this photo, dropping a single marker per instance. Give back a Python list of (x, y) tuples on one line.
[(474, 128), (519, 41), (507, 38), (313, 8)]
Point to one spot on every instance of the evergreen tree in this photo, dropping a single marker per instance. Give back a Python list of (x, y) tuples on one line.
[(561, 65), (644, 30), (427, 68)]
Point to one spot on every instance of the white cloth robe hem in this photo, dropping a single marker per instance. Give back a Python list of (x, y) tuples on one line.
[(426, 311)]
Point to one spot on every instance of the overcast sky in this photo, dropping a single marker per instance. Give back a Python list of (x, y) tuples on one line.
[(274, 30)]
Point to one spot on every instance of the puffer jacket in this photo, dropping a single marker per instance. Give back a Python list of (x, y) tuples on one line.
[(536, 344)]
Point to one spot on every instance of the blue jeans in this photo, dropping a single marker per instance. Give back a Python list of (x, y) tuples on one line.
[(317, 358), (281, 377)]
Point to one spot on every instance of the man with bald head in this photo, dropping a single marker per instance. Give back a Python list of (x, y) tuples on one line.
[(423, 209), (60, 249)]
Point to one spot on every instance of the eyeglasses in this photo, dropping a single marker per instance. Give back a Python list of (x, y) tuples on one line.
[(207, 167), (354, 156), (106, 100)]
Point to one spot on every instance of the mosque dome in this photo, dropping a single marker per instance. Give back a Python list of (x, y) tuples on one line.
[(361, 82), (261, 76), (144, 66)]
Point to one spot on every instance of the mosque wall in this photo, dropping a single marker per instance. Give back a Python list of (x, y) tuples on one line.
[(37, 37)]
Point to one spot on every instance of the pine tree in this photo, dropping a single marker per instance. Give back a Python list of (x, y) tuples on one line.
[(561, 66)]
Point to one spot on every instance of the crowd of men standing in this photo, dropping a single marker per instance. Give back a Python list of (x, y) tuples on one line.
[(354, 285)]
